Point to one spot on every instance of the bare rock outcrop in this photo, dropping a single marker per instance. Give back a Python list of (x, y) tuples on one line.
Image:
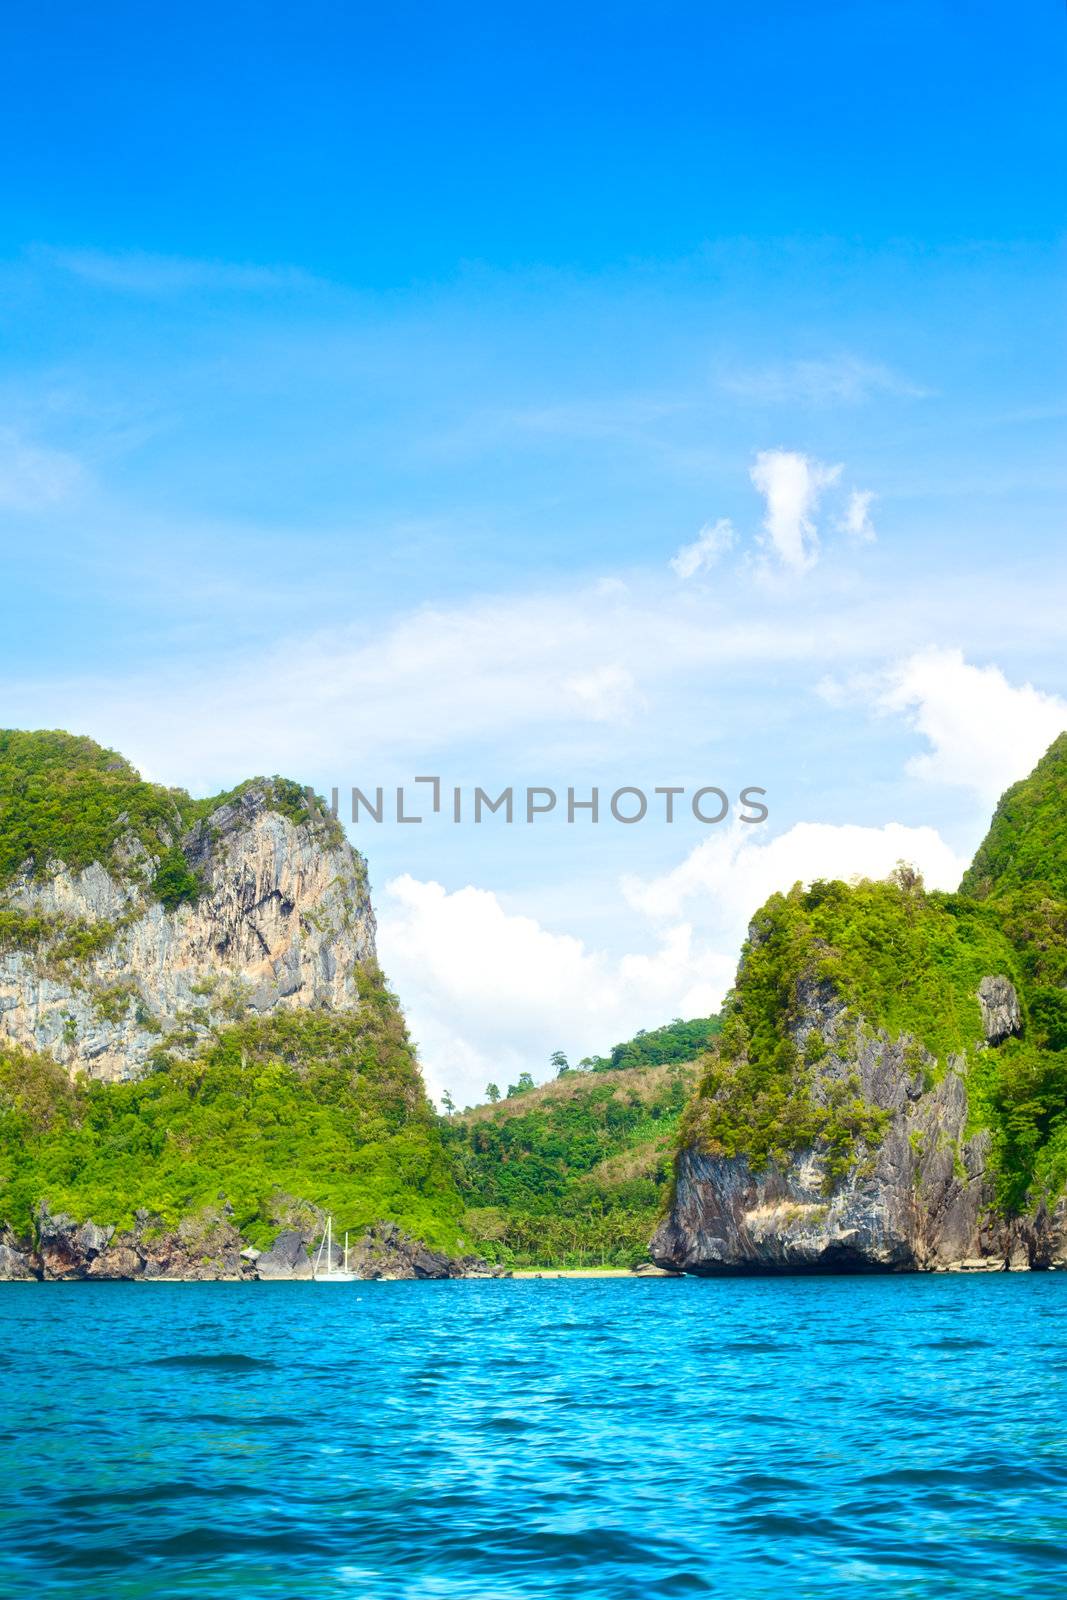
[(16, 1261), (287, 1258), (209, 1248), (283, 920), (384, 1251), (1001, 1013), (204, 1247), (68, 1249), (919, 1199)]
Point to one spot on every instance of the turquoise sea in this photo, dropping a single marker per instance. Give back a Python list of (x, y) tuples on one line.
[(808, 1437)]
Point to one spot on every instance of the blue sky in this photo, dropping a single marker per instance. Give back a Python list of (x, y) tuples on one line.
[(365, 370)]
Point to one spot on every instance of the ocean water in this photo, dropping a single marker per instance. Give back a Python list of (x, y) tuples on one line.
[(800, 1437)]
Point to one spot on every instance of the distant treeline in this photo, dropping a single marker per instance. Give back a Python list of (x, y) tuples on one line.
[(574, 1172), (676, 1041)]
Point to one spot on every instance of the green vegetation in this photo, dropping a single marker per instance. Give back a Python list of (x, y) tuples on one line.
[(327, 1108), (905, 961), (175, 883), (677, 1041), (1020, 873), (575, 1172), (571, 1173), (909, 963), (65, 798), (1027, 840), (1019, 1091), (59, 939), (112, 1003)]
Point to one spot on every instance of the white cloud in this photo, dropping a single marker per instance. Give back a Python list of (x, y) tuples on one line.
[(856, 521), (713, 540), (730, 874), (33, 478), (526, 676), (490, 993), (792, 485), (985, 733), (606, 694), (500, 671)]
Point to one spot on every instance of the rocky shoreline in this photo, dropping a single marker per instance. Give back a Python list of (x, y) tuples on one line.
[(204, 1252)]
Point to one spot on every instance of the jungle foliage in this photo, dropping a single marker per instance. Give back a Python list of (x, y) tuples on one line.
[(328, 1108), (676, 1041), (573, 1173), (909, 962)]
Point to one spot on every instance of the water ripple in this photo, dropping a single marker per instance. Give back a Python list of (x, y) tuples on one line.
[(537, 1441)]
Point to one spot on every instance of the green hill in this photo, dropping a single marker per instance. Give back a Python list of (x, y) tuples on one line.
[(269, 1114), (63, 797), (328, 1108), (909, 961), (574, 1172), (1026, 846), (675, 1041), (259, 1105), (295, 1108)]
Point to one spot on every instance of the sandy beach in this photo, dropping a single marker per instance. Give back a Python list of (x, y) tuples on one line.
[(590, 1272)]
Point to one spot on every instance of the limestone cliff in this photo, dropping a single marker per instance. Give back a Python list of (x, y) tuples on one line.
[(921, 1196), (198, 1051), (280, 918), (890, 1091)]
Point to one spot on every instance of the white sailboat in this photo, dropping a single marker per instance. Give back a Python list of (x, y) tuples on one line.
[(324, 1270)]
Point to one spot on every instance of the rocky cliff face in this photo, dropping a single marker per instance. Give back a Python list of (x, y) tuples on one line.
[(282, 919), (190, 1011), (890, 1088), (920, 1199)]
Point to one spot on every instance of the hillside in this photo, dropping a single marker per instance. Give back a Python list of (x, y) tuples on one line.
[(1026, 845), (652, 1047), (275, 1118), (572, 1173), (197, 1048), (890, 1086), (194, 1033)]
